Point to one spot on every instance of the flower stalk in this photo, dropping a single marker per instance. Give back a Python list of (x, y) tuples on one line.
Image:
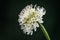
[(44, 31)]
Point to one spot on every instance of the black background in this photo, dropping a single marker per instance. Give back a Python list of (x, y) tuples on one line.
[(10, 29)]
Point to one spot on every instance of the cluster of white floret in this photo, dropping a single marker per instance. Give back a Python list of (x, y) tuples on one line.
[(29, 16)]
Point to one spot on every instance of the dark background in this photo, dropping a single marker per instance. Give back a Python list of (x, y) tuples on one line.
[(10, 29)]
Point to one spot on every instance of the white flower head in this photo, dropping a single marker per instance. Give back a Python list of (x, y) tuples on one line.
[(28, 17)]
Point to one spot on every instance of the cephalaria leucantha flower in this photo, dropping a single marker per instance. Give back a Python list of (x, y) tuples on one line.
[(29, 16)]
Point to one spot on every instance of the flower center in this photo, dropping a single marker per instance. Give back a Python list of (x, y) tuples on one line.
[(30, 17)]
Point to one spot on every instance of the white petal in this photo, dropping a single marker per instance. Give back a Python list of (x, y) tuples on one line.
[(28, 33), (31, 32)]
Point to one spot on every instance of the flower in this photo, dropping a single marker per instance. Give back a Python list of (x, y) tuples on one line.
[(29, 16)]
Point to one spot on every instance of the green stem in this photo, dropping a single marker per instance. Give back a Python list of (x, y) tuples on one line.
[(44, 31)]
